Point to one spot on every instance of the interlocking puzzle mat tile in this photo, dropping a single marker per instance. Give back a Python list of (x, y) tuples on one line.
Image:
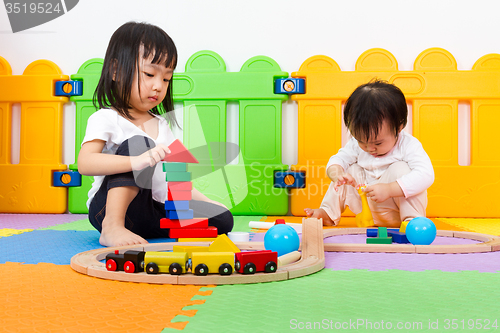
[(35, 221), (50, 246), (10, 232), (80, 225), (357, 296), (241, 222), (487, 262), (54, 298), (484, 226)]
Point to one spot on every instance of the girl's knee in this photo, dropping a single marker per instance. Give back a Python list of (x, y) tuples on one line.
[(135, 146)]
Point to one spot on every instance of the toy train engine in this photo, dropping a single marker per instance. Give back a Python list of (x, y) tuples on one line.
[(130, 261), (256, 261), (174, 263), (203, 263)]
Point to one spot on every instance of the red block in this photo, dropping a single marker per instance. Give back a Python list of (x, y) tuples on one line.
[(210, 232), (179, 153), (179, 195), (177, 224), (180, 186)]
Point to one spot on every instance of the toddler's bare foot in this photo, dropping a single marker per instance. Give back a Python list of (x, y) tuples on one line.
[(118, 235), (320, 213)]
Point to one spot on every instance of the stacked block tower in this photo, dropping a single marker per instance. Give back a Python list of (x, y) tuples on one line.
[(179, 217)]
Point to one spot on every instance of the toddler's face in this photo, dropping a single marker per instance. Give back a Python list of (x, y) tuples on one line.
[(380, 145), (154, 80)]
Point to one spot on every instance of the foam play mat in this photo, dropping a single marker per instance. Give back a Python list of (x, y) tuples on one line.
[(356, 291)]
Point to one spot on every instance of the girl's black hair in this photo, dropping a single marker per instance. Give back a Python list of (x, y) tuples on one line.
[(372, 103), (121, 63)]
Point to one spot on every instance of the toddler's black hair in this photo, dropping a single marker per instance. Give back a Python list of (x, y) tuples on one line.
[(121, 63), (372, 103)]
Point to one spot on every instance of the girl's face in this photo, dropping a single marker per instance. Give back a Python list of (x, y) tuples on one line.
[(153, 81), (380, 145)]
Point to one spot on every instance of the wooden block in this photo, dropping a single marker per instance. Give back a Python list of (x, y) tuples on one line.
[(178, 176), (180, 215), (194, 232), (180, 186), (166, 223), (190, 249), (179, 195), (177, 205), (174, 167), (223, 244), (179, 153), (379, 240), (197, 240)]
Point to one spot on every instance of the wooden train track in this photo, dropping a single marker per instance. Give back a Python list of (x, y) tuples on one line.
[(311, 261), (487, 243)]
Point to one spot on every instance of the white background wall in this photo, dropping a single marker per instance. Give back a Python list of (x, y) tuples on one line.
[(287, 31)]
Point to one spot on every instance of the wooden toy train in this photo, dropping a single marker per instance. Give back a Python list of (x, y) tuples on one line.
[(199, 262)]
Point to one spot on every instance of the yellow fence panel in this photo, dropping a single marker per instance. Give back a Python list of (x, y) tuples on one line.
[(435, 87), (27, 187)]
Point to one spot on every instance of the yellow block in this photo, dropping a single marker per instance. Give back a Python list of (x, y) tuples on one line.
[(223, 244), (434, 88), (186, 240), (402, 228), (189, 249)]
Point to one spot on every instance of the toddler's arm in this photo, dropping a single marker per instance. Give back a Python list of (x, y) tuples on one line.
[(92, 162), (383, 191)]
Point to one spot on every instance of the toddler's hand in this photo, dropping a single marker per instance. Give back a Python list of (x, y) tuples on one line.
[(150, 158), (378, 192), (345, 179)]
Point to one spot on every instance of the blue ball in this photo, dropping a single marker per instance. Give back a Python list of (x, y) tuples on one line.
[(421, 231), (281, 238)]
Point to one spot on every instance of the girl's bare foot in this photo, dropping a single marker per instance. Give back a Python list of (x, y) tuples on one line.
[(320, 213), (117, 235)]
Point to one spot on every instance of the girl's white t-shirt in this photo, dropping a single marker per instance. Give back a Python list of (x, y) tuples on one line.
[(107, 125)]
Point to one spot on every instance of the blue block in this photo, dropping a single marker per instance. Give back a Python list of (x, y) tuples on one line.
[(74, 88), (177, 205), (67, 179), (398, 237), (180, 214), (374, 232), (290, 86), (289, 179)]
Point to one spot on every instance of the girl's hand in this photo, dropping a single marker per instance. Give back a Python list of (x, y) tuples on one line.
[(149, 158), (378, 192)]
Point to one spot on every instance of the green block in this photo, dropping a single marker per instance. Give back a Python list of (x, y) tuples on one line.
[(382, 232), (379, 240), (178, 176), (174, 167)]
